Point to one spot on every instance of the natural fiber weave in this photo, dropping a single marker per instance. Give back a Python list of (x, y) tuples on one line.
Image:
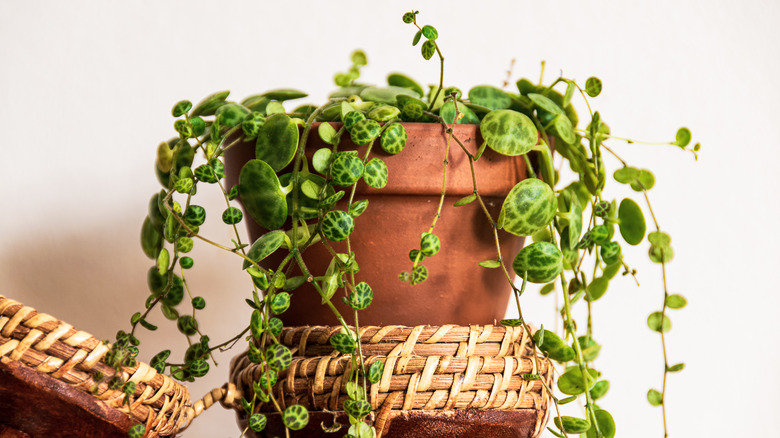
[(426, 368), (50, 346)]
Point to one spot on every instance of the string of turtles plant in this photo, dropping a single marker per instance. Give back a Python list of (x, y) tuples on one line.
[(531, 209), (282, 186)]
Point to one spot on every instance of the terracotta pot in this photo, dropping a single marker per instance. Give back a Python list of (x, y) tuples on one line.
[(457, 290)]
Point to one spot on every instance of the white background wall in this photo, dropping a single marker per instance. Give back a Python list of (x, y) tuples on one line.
[(86, 89)]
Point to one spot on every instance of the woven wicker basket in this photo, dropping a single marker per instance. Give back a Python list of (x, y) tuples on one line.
[(45, 359), (467, 380)]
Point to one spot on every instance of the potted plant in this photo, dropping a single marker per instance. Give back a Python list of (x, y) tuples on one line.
[(313, 179)]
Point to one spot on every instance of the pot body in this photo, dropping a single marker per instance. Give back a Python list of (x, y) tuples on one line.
[(457, 290)]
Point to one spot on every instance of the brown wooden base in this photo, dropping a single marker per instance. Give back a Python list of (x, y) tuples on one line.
[(33, 405), (461, 423)]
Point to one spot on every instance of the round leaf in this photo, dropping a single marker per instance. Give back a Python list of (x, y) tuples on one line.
[(430, 32), (509, 132), (296, 417), (277, 141), (540, 261), (393, 138), (659, 322), (428, 49), (529, 207), (593, 86), (683, 137), (262, 195), (605, 424), (375, 173), (364, 131), (676, 301), (346, 168), (337, 225), (632, 222)]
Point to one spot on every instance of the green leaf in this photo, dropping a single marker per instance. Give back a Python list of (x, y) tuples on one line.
[(490, 97), (295, 417), (571, 424), (321, 159), (599, 389), (547, 288), (417, 37), (429, 244), (605, 423), (264, 246), (540, 261), (137, 431), (490, 264), (277, 141), (278, 357), (343, 343), (529, 207), (358, 207), (676, 368), (163, 259), (231, 114), (327, 133), (430, 32), (257, 422), (262, 195), (361, 296), (645, 181), (384, 113), (683, 137), (447, 112), (365, 131), (181, 108), (512, 322), (597, 287), (660, 254), (151, 239), (626, 174), (654, 397), (208, 106), (552, 345), (375, 371), (400, 80), (393, 138), (659, 238), (282, 94), (337, 225), (571, 382), (632, 222), (676, 301), (346, 168), (466, 200), (546, 104), (375, 173), (428, 49), (593, 86), (659, 322), (509, 132), (564, 129), (570, 89)]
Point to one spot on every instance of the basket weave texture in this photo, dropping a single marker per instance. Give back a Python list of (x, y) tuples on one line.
[(53, 347), (425, 368)]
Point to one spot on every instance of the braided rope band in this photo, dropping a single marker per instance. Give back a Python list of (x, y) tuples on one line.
[(47, 345), (425, 369)]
